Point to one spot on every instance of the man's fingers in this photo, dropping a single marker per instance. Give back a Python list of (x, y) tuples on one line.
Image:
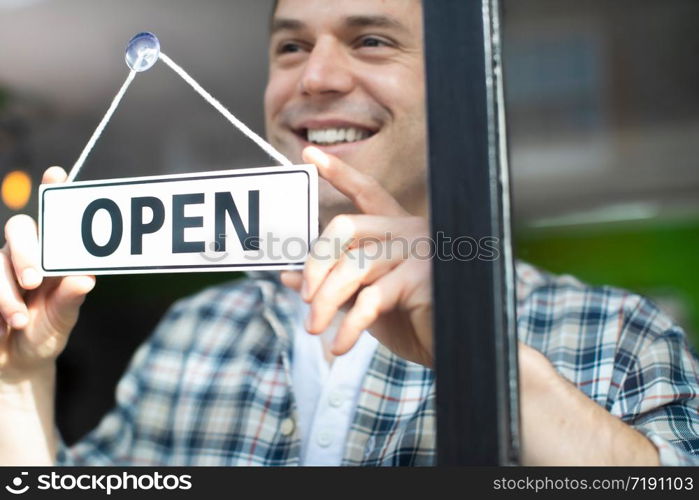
[(64, 301), (23, 250), (19, 261), (54, 175), (364, 191), (12, 308), (54, 314), (71, 291), (348, 231), (358, 267), (292, 279), (23, 243), (374, 300)]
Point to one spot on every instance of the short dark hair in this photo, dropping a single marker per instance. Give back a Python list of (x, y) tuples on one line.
[(275, 4)]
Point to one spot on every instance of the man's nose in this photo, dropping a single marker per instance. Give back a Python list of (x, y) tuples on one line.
[(327, 70)]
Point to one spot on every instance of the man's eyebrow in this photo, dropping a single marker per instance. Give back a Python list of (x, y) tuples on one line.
[(285, 24), (375, 22)]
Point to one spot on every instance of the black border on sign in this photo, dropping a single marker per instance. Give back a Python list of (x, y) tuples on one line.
[(178, 179)]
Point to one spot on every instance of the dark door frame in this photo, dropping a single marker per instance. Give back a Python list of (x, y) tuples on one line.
[(473, 286)]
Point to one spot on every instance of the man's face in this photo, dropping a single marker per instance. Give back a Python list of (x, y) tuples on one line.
[(347, 76)]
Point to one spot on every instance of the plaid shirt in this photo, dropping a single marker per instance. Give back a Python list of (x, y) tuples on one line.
[(212, 385)]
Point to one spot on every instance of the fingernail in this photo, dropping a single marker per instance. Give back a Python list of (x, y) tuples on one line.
[(30, 277), (307, 323), (19, 320)]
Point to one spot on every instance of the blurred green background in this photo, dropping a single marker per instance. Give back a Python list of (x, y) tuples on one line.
[(658, 259)]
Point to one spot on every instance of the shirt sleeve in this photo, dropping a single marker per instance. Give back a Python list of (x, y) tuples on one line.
[(661, 393)]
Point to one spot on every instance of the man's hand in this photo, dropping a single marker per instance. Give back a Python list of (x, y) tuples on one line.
[(36, 315), (390, 296), (36, 318), (386, 288)]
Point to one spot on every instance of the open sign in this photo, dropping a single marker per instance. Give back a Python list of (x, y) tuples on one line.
[(262, 218)]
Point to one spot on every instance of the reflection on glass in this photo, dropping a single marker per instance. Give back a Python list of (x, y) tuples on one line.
[(604, 117)]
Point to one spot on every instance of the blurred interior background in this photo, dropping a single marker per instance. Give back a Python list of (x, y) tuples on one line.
[(603, 111)]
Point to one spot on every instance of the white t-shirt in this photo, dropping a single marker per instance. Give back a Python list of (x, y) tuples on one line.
[(326, 396)]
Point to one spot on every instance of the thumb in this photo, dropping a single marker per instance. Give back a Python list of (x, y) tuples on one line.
[(65, 300)]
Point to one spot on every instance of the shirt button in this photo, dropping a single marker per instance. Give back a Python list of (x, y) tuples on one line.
[(336, 399), (325, 438), (287, 426)]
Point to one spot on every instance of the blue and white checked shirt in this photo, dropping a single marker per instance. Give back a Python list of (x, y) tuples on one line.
[(212, 385)]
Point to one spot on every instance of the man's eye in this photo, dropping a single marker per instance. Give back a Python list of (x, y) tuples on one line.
[(289, 48), (373, 42)]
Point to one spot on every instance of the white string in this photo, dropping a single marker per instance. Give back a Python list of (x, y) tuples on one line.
[(100, 128), (267, 147)]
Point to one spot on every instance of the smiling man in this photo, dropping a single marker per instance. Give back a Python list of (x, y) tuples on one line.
[(232, 377), (349, 79)]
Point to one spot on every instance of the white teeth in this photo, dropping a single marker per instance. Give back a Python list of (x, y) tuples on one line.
[(335, 135)]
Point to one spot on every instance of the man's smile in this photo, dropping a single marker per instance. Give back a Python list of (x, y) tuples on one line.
[(336, 135), (333, 132)]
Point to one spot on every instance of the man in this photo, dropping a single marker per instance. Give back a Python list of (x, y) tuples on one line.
[(231, 376)]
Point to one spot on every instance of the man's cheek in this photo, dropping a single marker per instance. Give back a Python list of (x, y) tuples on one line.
[(274, 100)]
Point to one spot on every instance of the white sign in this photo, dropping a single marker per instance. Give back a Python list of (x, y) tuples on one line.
[(252, 219)]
